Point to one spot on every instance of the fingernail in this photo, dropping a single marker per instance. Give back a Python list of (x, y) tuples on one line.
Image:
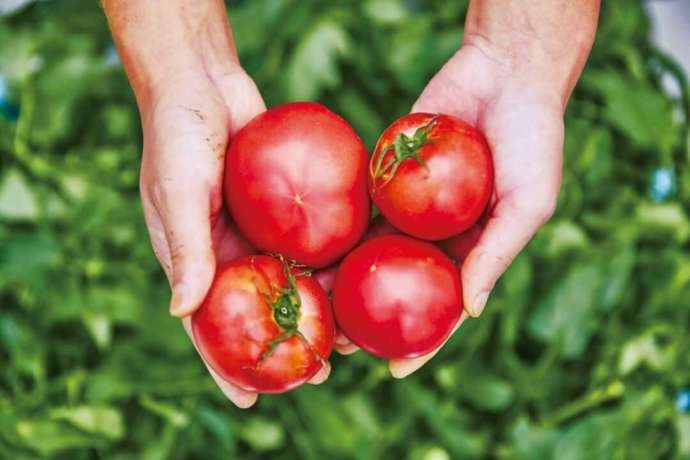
[(340, 339), (478, 304), (322, 375), (245, 401), (403, 368), (179, 302), (347, 349)]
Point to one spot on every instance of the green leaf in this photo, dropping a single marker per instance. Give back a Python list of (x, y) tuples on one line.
[(481, 388), (17, 199), (313, 67), (646, 349), (323, 415), (596, 437), (532, 442), (683, 433), (220, 425), (566, 318), (263, 434), (169, 412), (104, 421), (641, 113), (661, 221), (27, 257), (48, 437), (385, 12), (615, 285)]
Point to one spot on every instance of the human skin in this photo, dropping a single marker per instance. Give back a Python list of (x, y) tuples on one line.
[(193, 95), (511, 78)]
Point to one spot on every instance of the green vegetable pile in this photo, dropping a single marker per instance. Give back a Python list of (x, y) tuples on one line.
[(581, 351)]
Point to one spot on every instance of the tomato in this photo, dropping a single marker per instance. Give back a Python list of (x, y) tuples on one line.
[(431, 175), (459, 246), (378, 227), (397, 297), (263, 326), (228, 242), (295, 182)]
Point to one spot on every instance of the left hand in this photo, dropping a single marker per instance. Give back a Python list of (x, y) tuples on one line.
[(523, 124)]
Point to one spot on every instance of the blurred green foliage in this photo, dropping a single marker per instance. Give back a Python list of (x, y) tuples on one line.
[(579, 355)]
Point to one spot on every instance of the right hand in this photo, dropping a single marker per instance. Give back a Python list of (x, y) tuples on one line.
[(187, 126)]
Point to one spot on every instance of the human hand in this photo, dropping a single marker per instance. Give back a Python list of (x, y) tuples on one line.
[(523, 125), (186, 131), (512, 79)]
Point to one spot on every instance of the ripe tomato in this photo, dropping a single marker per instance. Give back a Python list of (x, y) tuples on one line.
[(295, 182), (431, 175), (263, 326), (397, 297), (228, 242), (377, 227), (459, 246)]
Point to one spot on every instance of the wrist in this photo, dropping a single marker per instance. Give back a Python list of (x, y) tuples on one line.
[(531, 67), (162, 42), (544, 45)]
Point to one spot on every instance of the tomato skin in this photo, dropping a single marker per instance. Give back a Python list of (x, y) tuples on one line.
[(235, 325), (447, 195), (397, 297), (379, 226), (295, 182), (458, 247)]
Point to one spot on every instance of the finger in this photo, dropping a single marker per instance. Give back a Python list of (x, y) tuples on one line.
[(512, 223), (401, 368), (242, 399), (322, 375), (346, 349), (183, 202), (242, 98), (447, 92), (343, 344)]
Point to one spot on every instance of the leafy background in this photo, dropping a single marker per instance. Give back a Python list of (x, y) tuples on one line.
[(580, 354)]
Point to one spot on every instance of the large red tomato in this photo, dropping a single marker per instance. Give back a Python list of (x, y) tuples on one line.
[(397, 297), (431, 175), (295, 182), (263, 326)]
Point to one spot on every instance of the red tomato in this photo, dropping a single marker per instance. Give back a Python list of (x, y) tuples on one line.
[(378, 227), (459, 246), (295, 182), (431, 175), (264, 327), (397, 297), (228, 242)]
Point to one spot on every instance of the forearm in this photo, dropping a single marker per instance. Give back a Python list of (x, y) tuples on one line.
[(542, 41), (159, 40)]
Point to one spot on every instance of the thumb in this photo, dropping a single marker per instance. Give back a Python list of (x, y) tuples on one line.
[(242, 98), (183, 209)]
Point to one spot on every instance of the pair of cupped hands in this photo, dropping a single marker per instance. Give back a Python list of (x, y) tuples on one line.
[(189, 120)]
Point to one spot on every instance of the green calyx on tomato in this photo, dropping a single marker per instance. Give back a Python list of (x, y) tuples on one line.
[(286, 304), (404, 147)]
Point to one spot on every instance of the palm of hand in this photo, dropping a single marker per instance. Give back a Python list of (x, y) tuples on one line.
[(186, 131), (524, 129)]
